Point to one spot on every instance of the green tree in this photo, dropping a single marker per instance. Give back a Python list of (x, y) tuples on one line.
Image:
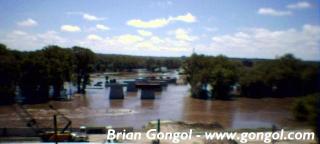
[(84, 60), (8, 75), (196, 69), (223, 75), (282, 77), (218, 72), (34, 80), (59, 62), (307, 109)]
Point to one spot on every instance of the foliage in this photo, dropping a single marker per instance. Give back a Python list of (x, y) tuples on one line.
[(34, 72), (59, 63), (282, 77), (84, 60), (34, 80), (224, 75), (285, 76), (8, 75), (128, 63), (307, 108), (218, 72)]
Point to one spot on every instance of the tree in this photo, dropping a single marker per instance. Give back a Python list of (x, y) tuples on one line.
[(34, 80), (282, 77), (59, 62), (307, 109), (218, 72), (8, 75), (197, 73), (83, 64), (223, 75)]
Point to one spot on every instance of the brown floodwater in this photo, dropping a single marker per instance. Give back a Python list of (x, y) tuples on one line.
[(173, 103)]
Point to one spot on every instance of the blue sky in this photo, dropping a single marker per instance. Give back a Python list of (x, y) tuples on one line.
[(235, 28)]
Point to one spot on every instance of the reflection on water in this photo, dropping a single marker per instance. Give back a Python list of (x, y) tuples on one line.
[(95, 109), (116, 104), (243, 121)]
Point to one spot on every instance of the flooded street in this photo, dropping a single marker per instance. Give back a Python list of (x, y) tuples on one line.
[(173, 103)]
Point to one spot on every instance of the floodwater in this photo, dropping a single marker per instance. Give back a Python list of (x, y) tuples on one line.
[(173, 103)]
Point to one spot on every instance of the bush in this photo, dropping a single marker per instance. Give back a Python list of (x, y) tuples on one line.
[(217, 72), (307, 109), (283, 77)]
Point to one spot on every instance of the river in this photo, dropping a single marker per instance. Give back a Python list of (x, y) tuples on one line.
[(173, 103)]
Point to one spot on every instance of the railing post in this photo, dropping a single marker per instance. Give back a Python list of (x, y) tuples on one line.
[(55, 128)]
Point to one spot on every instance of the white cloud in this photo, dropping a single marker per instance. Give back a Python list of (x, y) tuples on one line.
[(161, 22), (24, 41), (94, 37), (265, 43), (144, 33), (129, 39), (20, 40), (273, 12), (189, 18), (18, 33), (50, 38), (90, 17), (299, 5), (70, 28), (182, 34), (96, 28), (134, 44), (120, 40), (28, 23), (119, 44), (86, 16), (164, 46), (156, 40), (102, 27), (156, 23)]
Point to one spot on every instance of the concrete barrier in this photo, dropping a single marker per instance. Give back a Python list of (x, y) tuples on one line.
[(116, 91), (147, 94), (131, 87)]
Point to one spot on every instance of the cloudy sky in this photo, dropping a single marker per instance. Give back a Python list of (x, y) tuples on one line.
[(235, 28)]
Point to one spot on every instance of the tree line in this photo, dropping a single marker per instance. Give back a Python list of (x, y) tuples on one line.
[(286, 76), (215, 77), (209, 76), (109, 62), (34, 72)]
